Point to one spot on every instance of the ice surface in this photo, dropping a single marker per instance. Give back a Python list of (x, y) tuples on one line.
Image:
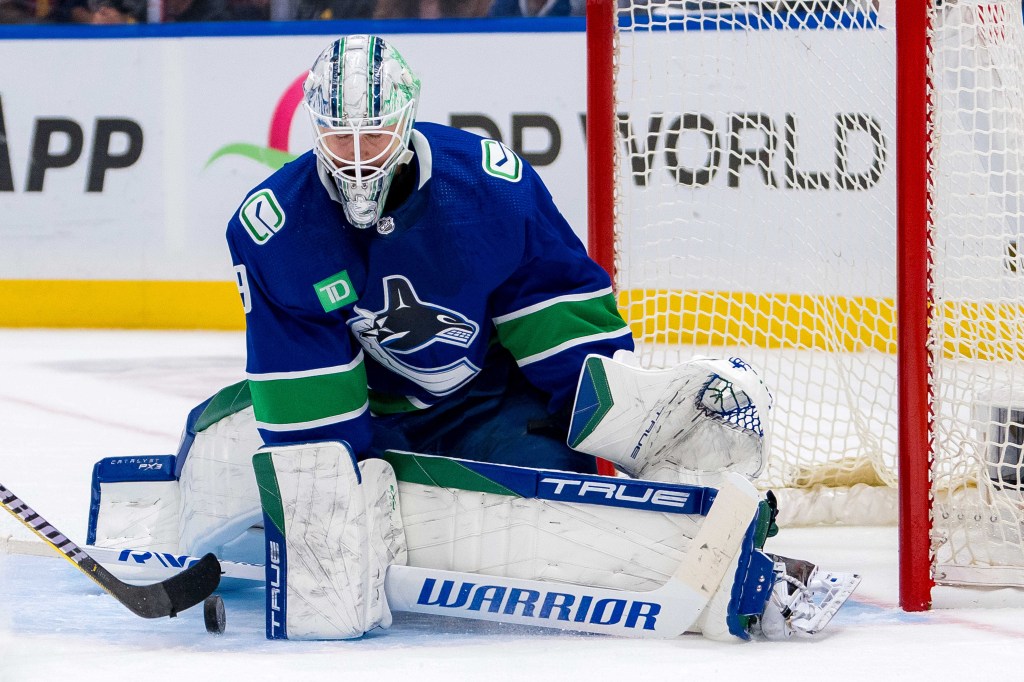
[(68, 398)]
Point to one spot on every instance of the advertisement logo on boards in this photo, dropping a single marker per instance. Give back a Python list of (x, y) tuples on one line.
[(109, 144), (741, 148), (275, 153)]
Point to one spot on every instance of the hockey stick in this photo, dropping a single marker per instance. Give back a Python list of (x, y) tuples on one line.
[(167, 598), (667, 611)]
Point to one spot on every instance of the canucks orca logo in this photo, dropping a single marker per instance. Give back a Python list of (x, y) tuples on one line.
[(407, 324)]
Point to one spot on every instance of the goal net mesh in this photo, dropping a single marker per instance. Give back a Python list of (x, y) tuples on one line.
[(756, 216)]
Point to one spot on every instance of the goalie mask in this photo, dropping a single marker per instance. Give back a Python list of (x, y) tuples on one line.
[(361, 97)]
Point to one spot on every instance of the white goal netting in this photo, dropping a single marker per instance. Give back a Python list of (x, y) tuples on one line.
[(756, 215)]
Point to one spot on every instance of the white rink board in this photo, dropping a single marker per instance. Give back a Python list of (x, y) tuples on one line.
[(164, 216)]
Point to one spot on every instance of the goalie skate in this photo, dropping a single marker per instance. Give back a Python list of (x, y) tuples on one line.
[(803, 600)]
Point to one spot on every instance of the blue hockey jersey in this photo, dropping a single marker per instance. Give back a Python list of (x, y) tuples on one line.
[(342, 323)]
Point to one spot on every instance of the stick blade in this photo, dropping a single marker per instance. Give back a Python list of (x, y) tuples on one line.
[(168, 598)]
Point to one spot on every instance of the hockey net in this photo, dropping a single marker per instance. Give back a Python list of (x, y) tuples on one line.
[(752, 149)]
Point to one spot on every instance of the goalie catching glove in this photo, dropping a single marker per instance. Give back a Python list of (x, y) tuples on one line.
[(332, 528), (686, 424)]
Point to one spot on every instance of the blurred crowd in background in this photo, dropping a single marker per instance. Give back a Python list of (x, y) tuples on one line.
[(170, 11), (176, 11)]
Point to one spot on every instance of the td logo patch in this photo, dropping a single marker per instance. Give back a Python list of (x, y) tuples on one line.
[(262, 215), (501, 162), (336, 291)]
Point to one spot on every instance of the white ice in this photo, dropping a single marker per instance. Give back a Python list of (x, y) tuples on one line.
[(69, 398)]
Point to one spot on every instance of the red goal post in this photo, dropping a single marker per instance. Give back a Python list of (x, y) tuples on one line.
[(913, 224), (747, 196)]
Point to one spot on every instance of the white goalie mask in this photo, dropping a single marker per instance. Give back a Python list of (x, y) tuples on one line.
[(361, 97)]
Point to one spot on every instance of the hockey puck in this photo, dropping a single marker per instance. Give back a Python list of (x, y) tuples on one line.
[(214, 614)]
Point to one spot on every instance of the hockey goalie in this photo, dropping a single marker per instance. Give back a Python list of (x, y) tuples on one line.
[(433, 365)]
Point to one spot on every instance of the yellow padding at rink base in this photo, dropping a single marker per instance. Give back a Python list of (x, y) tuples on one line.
[(978, 329), (984, 330), (115, 304), (765, 320)]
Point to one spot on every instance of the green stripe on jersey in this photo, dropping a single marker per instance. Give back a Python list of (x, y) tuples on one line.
[(287, 400), (384, 403), (441, 472), (545, 329)]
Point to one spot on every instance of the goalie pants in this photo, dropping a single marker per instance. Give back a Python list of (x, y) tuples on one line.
[(502, 419)]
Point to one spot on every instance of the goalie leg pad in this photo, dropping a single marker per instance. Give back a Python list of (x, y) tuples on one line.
[(134, 498), (331, 530), (202, 499), (219, 498), (686, 424), (744, 594)]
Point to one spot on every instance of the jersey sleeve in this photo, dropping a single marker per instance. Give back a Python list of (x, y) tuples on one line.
[(558, 306), (307, 380)]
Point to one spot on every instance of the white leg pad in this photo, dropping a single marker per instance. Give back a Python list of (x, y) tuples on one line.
[(219, 500), (213, 506), (714, 619), (330, 538), (138, 514)]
